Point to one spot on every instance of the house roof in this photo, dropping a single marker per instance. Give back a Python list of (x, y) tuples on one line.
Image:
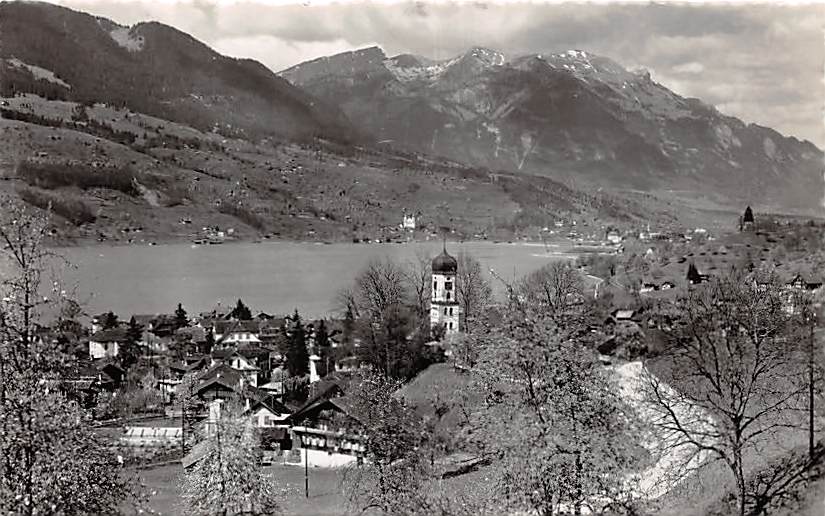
[(223, 353), (624, 314), (341, 404), (221, 374), (264, 399), (199, 451), (110, 335)]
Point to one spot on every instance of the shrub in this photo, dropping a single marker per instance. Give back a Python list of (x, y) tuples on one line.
[(243, 214), (68, 207), (81, 175)]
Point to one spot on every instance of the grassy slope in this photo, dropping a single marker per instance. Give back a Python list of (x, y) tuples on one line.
[(315, 192), (162, 485)]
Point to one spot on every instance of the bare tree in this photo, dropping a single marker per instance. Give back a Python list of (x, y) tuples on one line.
[(418, 275), (473, 289), (378, 287), (557, 287), (51, 462), (735, 380)]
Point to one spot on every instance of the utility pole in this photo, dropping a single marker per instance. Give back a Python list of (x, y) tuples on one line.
[(811, 354), (306, 465)]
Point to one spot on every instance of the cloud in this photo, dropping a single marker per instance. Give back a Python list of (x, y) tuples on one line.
[(761, 63), (690, 68)]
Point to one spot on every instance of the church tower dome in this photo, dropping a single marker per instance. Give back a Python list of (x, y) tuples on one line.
[(444, 303), (444, 263)]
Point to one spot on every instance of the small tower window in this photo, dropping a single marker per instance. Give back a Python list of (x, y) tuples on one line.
[(450, 325), (448, 296), (435, 285), (445, 310), (448, 285)]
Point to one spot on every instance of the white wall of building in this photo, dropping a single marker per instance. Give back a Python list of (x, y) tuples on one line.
[(443, 304)]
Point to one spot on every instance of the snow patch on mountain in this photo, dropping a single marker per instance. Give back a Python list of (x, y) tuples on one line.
[(39, 73), (128, 38), (725, 136), (770, 147), (428, 72)]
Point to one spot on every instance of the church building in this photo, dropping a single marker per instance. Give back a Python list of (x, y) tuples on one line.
[(443, 304)]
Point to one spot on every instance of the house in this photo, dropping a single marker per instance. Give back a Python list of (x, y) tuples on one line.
[(408, 221), (156, 345), (111, 369), (648, 287), (85, 382), (621, 315), (234, 333), (106, 343), (267, 411), (348, 364), (330, 432), (220, 382), (189, 364), (613, 237), (232, 358)]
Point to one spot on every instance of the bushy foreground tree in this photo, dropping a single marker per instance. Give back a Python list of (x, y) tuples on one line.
[(397, 475), (51, 462), (559, 438), (228, 480)]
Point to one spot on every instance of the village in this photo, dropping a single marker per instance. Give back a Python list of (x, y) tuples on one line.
[(161, 379)]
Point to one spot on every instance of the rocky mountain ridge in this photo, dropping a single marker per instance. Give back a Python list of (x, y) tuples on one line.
[(572, 116)]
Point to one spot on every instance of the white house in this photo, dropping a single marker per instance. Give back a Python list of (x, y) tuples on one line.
[(106, 343), (408, 221)]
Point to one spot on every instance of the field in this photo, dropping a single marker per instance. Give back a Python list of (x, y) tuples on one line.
[(325, 499)]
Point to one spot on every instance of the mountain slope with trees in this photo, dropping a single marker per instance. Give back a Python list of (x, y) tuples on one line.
[(154, 69)]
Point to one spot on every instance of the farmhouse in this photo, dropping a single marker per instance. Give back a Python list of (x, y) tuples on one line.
[(106, 343)]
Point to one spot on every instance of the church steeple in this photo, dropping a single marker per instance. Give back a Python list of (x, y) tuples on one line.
[(443, 304)]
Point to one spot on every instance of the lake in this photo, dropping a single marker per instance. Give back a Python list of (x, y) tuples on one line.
[(276, 277)]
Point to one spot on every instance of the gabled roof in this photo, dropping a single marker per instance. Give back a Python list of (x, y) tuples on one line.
[(222, 375), (267, 401), (223, 353), (341, 404), (251, 351), (198, 452), (110, 335)]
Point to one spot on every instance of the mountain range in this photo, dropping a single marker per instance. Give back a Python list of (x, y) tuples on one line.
[(571, 116)]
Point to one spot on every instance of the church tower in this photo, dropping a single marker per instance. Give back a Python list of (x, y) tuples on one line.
[(443, 304)]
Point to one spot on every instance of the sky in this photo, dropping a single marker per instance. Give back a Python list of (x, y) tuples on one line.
[(763, 63)]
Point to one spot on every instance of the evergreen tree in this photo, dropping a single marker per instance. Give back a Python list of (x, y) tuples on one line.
[(297, 356), (324, 349), (110, 321), (209, 341), (349, 326), (181, 317), (693, 275), (130, 351), (748, 216), (241, 312)]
